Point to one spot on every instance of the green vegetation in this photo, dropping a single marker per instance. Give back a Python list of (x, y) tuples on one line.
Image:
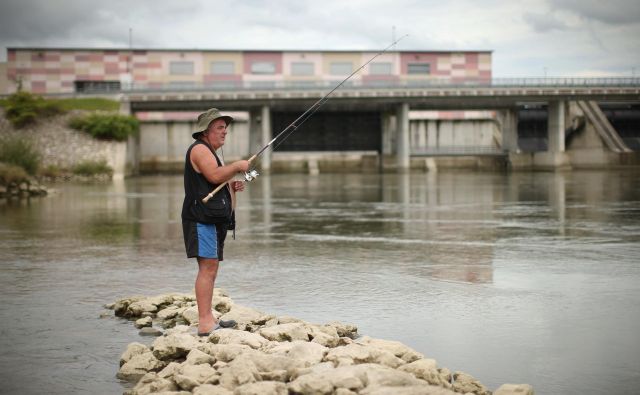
[(12, 173), (20, 152), (88, 104), (106, 126), (23, 109), (91, 168), (52, 171)]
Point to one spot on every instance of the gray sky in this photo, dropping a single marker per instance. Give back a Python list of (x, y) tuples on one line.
[(528, 38)]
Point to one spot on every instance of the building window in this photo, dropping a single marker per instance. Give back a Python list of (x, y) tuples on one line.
[(181, 68), (262, 84), (419, 68), (301, 68), (380, 68), (340, 68), (222, 68), (180, 85), (224, 84), (263, 68), (96, 86)]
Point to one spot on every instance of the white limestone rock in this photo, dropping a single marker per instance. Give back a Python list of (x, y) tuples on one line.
[(262, 388), (132, 350), (174, 346), (231, 336), (138, 366)]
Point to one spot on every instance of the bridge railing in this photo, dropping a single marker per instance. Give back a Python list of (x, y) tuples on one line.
[(435, 83)]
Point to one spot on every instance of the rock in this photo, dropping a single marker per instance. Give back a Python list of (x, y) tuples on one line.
[(262, 388), (230, 336), (208, 389), (150, 383), (132, 350), (197, 357), (221, 304), (466, 383), (243, 315), (138, 366), (190, 314), (238, 372), (174, 346), (190, 376), (136, 309), (143, 322), (307, 352), (150, 331), (345, 330), (408, 390), (427, 370), (359, 353), (514, 389), (396, 348), (223, 352), (168, 313), (286, 332), (170, 370), (285, 319)]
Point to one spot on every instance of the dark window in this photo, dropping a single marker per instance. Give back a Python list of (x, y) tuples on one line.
[(418, 68), (96, 86)]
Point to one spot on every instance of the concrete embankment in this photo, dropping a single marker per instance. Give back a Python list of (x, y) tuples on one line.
[(266, 354)]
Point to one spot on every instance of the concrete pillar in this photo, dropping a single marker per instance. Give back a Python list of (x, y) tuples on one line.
[(510, 130), (125, 106), (255, 138), (402, 117), (556, 126), (267, 135)]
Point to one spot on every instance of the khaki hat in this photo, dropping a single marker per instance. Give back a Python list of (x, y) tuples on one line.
[(205, 119)]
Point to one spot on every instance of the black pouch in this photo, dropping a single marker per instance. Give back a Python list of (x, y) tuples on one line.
[(215, 211)]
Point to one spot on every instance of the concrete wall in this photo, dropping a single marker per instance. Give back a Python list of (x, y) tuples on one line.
[(3, 77), (162, 145)]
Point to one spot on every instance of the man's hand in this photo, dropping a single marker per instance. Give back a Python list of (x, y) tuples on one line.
[(241, 165), (237, 186)]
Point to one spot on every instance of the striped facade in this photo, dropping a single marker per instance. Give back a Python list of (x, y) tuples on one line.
[(68, 70)]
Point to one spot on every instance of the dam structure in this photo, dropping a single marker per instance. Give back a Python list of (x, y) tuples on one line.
[(405, 110)]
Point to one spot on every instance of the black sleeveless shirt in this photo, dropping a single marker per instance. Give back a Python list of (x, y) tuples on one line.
[(218, 209)]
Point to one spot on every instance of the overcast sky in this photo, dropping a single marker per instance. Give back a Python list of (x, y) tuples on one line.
[(528, 38)]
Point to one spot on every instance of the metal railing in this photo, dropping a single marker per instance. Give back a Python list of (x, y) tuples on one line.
[(458, 151), (436, 83)]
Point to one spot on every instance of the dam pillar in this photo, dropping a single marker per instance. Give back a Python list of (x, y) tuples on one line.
[(556, 126), (403, 151), (260, 134)]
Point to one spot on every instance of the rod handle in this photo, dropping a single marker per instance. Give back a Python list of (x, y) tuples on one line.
[(210, 195)]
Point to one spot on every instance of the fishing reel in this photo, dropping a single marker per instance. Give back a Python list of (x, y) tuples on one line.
[(251, 175)]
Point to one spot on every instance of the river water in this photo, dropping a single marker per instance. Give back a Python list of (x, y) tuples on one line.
[(519, 277)]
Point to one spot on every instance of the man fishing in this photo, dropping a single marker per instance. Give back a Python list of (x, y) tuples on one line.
[(205, 225)]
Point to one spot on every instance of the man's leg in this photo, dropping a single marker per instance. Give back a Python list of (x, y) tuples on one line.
[(207, 272)]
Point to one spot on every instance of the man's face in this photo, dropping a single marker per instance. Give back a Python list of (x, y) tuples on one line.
[(217, 133)]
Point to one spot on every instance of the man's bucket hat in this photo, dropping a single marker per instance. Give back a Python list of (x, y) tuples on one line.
[(205, 119)]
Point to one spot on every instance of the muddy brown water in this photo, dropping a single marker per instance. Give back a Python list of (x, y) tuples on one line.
[(519, 278)]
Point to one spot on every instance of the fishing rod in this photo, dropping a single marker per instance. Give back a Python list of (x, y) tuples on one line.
[(286, 132)]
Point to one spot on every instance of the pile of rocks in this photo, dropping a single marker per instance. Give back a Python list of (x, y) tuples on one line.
[(26, 188), (266, 354)]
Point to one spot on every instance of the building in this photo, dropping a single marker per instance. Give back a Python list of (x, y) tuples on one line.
[(79, 70)]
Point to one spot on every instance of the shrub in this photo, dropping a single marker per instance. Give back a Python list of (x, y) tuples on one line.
[(106, 126), (20, 152), (24, 108), (52, 171), (91, 168), (12, 173)]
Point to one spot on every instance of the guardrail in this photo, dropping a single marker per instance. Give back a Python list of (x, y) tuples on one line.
[(221, 86), (458, 151)]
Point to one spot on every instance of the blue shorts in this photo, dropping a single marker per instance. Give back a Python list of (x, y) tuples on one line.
[(204, 240)]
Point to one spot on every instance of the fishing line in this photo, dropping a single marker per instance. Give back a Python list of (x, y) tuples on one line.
[(293, 126)]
